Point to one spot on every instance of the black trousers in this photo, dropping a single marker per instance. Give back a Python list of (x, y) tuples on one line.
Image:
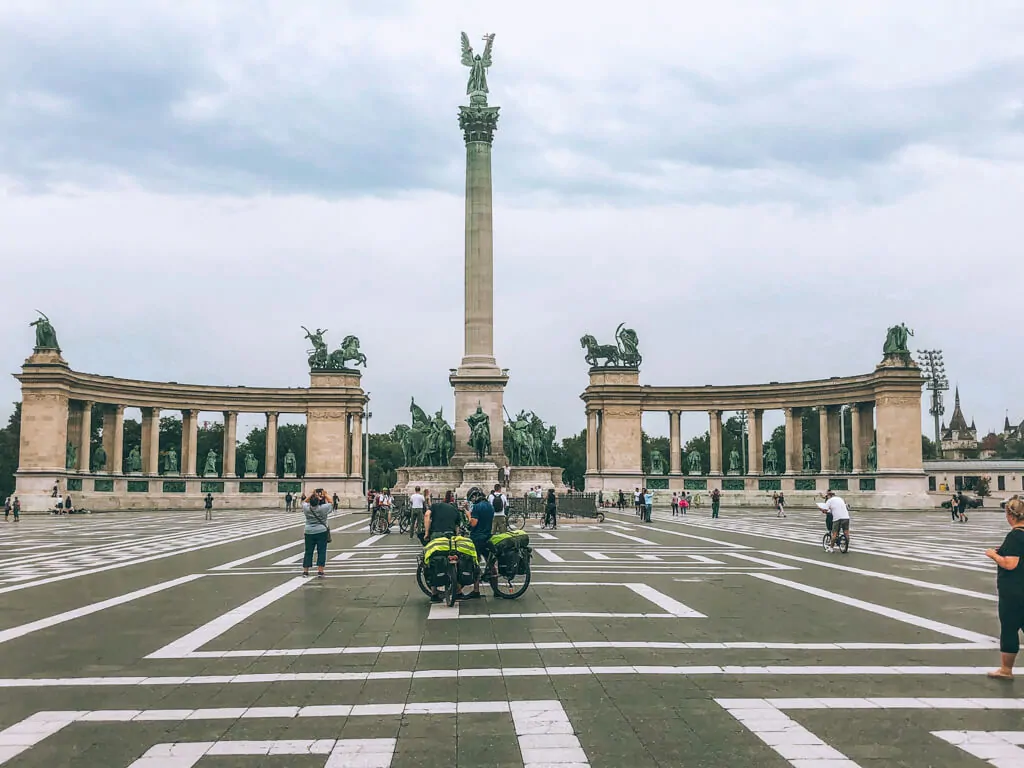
[(319, 542), (1011, 622)]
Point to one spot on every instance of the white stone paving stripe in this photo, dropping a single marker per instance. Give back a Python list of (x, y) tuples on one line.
[(1000, 748), (374, 650), (838, 670), (50, 621), (888, 577), (802, 749), (137, 561), (548, 555), (665, 602), (196, 639), (637, 539), (369, 542), (597, 555), (545, 735), (881, 610)]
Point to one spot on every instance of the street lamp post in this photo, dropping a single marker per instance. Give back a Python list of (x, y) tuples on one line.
[(743, 440), (934, 369)]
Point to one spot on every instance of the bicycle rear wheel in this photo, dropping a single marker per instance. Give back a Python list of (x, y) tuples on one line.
[(515, 521), (843, 542), (421, 579), (404, 523), (511, 587)]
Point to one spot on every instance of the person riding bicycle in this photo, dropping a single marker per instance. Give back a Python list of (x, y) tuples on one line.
[(382, 505), (481, 518), (836, 508)]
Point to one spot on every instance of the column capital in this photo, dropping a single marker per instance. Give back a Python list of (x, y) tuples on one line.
[(715, 412), (478, 123), (114, 407)]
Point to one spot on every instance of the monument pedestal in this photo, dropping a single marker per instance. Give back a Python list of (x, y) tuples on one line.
[(289, 475), (479, 474), (483, 387), (250, 475)]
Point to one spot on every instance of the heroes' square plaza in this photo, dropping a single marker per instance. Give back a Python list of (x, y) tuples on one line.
[(150, 634)]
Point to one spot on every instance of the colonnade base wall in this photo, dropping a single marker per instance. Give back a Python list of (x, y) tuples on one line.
[(57, 407), (884, 469)]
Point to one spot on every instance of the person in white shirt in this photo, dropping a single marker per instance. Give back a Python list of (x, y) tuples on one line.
[(382, 506), (417, 502), (836, 507)]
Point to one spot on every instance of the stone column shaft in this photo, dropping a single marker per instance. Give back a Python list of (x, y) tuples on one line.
[(675, 462), (715, 433), (794, 440), (863, 429), (592, 448), (84, 442), (150, 441), (357, 445), (189, 442), (755, 442), (270, 465), (230, 440), (857, 452), (113, 438), (825, 446)]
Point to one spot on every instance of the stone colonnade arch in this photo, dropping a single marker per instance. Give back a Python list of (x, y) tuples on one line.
[(885, 410), (57, 410)]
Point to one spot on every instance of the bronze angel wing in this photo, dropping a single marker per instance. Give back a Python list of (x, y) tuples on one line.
[(467, 51)]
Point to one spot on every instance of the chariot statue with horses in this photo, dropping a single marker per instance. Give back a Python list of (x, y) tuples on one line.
[(624, 353), (321, 360)]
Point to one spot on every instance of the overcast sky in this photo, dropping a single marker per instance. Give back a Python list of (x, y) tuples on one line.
[(759, 189)]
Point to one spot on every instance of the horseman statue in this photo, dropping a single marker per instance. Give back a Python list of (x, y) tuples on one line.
[(624, 353), (528, 441), (320, 360), (428, 442), (479, 433)]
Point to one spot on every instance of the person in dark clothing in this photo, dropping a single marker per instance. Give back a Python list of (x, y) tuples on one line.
[(962, 508), (622, 500), (716, 502), (208, 504), (550, 510), (1010, 586), (441, 519), (481, 518)]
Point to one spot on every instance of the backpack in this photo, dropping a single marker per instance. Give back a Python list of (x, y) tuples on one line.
[(498, 504)]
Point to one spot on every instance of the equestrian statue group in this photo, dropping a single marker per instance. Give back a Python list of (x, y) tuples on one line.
[(429, 442), (528, 441), (322, 360)]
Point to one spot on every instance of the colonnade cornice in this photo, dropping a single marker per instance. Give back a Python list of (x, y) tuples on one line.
[(835, 391), (171, 396)]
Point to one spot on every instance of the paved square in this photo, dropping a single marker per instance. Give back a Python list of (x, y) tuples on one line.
[(163, 641)]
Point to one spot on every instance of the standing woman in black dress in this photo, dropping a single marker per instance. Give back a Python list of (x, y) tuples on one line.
[(1010, 586)]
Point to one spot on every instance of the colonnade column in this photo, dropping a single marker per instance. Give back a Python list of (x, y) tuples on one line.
[(863, 429), (591, 441), (715, 434), (189, 441), (755, 441), (270, 465), (357, 444), (113, 438), (856, 450), (230, 440), (675, 462), (150, 440), (825, 440), (84, 438), (794, 440)]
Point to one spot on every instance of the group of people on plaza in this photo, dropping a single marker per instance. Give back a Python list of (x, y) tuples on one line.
[(12, 505), (681, 502)]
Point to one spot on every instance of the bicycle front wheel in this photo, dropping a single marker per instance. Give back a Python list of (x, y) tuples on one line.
[(404, 522), (826, 541), (515, 521)]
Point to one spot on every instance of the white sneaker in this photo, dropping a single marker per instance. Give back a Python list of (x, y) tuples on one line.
[(830, 549)]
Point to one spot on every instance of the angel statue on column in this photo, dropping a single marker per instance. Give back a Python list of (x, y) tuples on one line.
[(477, 64)]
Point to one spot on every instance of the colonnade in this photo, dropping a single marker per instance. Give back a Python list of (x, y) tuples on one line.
[(884, 409), (58, 407)]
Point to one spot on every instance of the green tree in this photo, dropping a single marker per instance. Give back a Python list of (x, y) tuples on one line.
[(10, 446), (648, 444), (571, 456), (928, 448), (170, 437), (385, 458)]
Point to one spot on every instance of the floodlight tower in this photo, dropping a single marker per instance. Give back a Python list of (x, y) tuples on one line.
[(934, 370)]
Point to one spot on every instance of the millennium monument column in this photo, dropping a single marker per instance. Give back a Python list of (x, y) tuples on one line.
[(478, 381)]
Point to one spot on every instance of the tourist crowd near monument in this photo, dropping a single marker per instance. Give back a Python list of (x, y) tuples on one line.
[(880, 467)]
